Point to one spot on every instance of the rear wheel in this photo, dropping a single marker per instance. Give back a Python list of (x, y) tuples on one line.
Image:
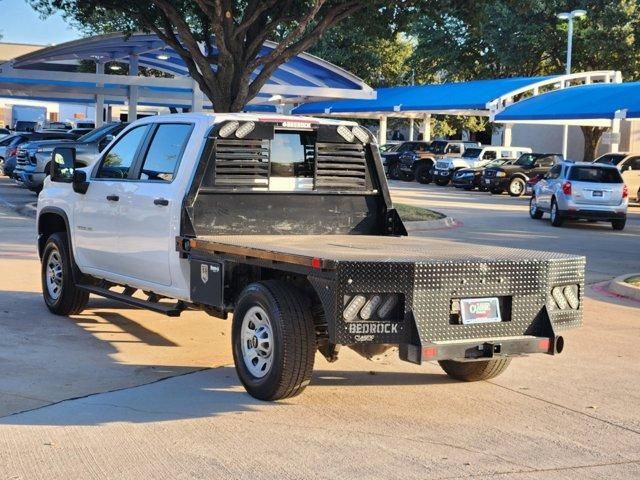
[(475, 371), (58, 288), (422, 173), (274, 341), (534, 211), (556, 217), (618, 224), (516, 187)]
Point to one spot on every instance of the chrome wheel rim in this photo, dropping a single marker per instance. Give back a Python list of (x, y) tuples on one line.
[(54, 275), (516, 187), (256, 339)]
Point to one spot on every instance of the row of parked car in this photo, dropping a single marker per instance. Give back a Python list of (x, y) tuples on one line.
[(601, 189), (26, 156)]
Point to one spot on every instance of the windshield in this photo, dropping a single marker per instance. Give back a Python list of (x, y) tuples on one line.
[(94, 135), (438, 147), (611, 158), (497, 163), (526, 160), (595, 174), (472, 152)]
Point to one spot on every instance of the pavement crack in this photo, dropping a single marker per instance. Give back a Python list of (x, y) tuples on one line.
[(564, 407), (89, 395)]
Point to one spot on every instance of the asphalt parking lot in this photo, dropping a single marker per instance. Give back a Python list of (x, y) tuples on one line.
[(123, 393)]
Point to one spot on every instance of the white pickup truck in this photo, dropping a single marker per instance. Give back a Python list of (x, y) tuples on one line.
[(287, 223)]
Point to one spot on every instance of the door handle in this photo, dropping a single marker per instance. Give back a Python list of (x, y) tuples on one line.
[(161, 201), (113, 198)]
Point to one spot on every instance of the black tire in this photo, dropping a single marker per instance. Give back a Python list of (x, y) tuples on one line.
[(516, 187), (293, 344), (441, 182), (534, 211), (69, 300), (475, 371), (2, 172), (496, 191), (394, 171), (422, 173), (556, 217), (618, 224)]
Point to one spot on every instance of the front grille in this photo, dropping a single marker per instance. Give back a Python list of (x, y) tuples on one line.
[(441, 165), (22, 157)]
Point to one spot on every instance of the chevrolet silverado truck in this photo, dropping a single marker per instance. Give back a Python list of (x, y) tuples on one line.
[(287, 223)]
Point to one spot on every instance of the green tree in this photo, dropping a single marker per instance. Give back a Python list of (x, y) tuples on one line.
[(504, 38), (232, 32)]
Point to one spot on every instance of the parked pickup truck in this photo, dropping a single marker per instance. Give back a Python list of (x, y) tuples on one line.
[(287, 223)]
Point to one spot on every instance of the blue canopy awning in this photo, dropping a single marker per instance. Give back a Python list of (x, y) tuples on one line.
[(584, 104), (471, 97)]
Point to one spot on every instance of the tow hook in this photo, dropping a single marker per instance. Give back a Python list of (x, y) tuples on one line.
[(489, 349)]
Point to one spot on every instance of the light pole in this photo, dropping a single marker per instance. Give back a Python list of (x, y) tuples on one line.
[(569, 16)]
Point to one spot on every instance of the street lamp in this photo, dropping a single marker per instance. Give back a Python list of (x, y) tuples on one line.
[(570, 16)]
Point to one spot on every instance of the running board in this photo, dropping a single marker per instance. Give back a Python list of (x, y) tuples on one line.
[(171, 310)]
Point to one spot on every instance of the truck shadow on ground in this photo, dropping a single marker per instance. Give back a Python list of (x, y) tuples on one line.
[(62, 371)]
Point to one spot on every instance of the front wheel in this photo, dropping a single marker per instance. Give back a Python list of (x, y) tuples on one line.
[(534, 211), (475, 371), (516, 187), (422, 173), (58, 288), (274, 342)]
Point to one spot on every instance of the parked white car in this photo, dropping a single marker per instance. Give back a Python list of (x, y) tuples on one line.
[(473, 158), (579, 190)]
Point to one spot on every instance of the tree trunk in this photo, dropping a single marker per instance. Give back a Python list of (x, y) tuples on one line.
[(591, 141)]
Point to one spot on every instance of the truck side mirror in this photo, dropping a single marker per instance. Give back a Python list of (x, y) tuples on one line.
[(62, 164)]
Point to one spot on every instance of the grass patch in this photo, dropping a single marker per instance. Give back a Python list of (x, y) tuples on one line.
[(409, 213), (635, 281)]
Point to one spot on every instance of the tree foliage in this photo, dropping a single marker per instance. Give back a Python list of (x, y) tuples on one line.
[(232, 33)]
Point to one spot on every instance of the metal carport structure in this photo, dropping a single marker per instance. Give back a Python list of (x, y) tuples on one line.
[(45, 75), (596, 105), (473, 98)]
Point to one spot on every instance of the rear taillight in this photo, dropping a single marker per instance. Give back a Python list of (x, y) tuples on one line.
[(11, 152), (566, 188), (625, 191)]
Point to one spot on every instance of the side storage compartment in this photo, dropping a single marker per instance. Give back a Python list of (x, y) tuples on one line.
[(207, 282)]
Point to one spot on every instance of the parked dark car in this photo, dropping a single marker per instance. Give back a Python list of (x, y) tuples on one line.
[(513, 178), (470, 178), (391, 157), (8, 147)]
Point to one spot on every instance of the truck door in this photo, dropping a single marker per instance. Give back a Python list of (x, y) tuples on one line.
[(97, 213), (151, 207)]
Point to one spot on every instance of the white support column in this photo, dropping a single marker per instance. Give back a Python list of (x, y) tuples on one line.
[(426, 127), (411, 128), (99, 97), (565, 141), (506, 135), (133, 89), (197, 98), (382, 133), (615, 130)]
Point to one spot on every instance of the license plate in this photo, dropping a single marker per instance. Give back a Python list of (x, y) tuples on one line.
[(480, 310), (597, 193), (487, 181)]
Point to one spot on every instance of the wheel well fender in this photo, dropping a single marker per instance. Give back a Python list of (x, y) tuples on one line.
[(50, 221), (519, 175)]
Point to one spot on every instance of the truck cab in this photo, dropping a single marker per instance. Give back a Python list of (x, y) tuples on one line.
[(287, 224)]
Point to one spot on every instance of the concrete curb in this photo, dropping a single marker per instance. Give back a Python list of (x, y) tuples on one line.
[(440, 224), (620, 287)]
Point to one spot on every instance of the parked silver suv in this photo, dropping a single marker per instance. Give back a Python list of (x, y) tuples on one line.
[(578, 190)]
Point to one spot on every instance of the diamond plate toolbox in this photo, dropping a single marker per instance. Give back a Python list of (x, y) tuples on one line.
[(425, 295)]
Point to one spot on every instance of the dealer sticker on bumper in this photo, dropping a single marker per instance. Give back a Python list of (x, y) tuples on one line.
[(480, 310)]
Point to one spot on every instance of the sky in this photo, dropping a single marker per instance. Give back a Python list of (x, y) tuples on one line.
[(19, 23)]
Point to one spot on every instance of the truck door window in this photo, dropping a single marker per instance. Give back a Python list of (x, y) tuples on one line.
[(165, 151), (489, 155), (453, 149), (117, 162)]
